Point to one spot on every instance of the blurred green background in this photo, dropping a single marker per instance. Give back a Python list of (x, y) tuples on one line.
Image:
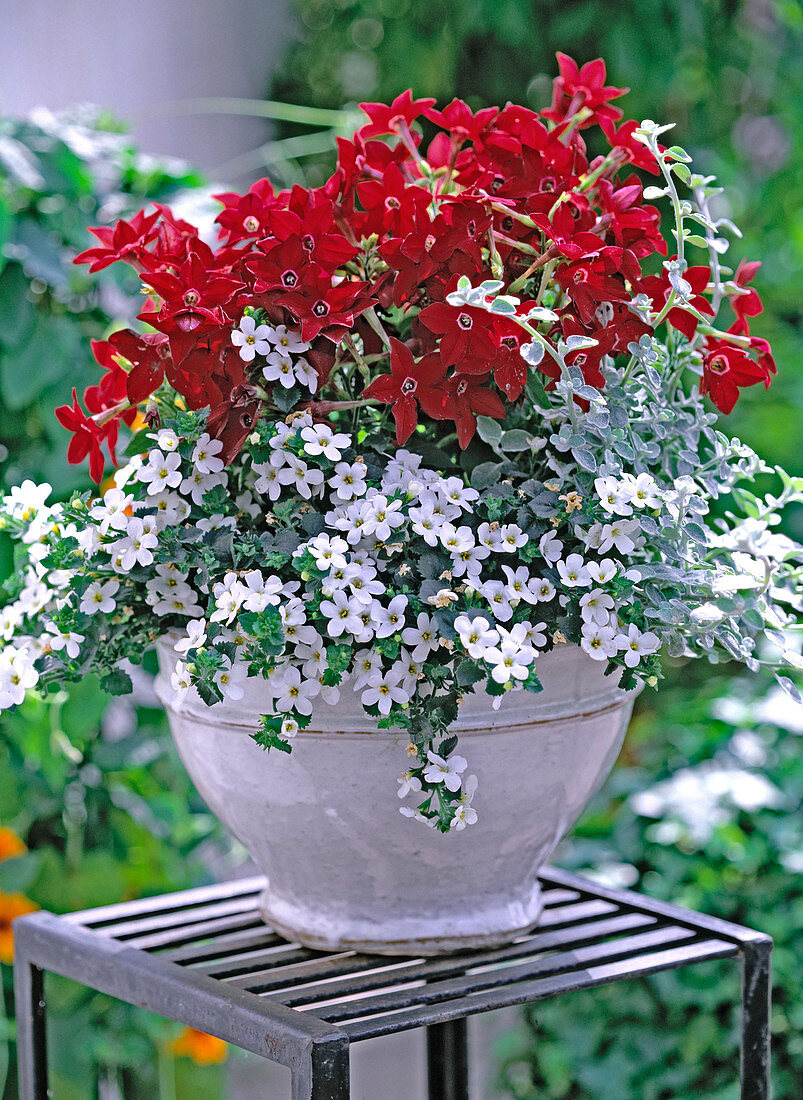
[(95, 791)]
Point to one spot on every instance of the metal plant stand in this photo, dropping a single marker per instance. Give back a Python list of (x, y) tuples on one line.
[(204, 958)]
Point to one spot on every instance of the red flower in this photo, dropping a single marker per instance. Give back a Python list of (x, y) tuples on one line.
[(236, 411), (570, 240), (749, 303), (386, 120), (391, 203), (460, 121), (310, 218), (635, 151), (576, 88), (467, 399), (194, 293), (245, 217), (726, 370), (510, 369), (658, 288), (330, 310), (409, 385), (125, 241), (87, 437), (147, 354), (465, 332)]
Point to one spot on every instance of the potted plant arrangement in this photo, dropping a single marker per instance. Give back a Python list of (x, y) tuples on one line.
[(423, 477)]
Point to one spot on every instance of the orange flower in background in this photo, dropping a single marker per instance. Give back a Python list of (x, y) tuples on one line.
[(11, 906), (205, 1050), (10, 844)]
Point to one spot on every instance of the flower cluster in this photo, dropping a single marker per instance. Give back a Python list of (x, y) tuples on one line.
[(407, 432)]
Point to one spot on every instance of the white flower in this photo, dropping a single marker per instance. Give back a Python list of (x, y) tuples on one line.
[(267, 482), (230, 679), (613, 496), (64, 639), (166, 439), (171, 509), (458, 494), (343, 613), (387, 620), (465, 814), (320, 439), (304, 479), (229, 596), (160, 472), (136, 548), (476, 635), (290, 727), (262, 591), (313, 658), (456, 540), (511, 659), (533, 634), (113, 510), (642, 491), (180, 682), (383, 691), (551, 547), (279, 368), (422, 638), (603, 571), (599, 641), (99, 597), (443, 771), (198, 484), (495, 592), (381, 517), (362, 580), (328, 552), (637, 645), (17, 674), (573, 572), (348, 480), (427, 521), (251, 339), (287, 340), (619, 535), (543, 590), (596, 606), (297, 693), (408, 784), (366, 663), (193, 639), (181, 600), (204, 456), (520, 585), (25, 501), (512, 538)]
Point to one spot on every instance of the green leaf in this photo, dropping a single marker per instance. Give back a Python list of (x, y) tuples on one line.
[(489, 430), (16, 308), (469, 673), (41, 253), (116, 682), (17, 874), (47, 355), (515, 440)]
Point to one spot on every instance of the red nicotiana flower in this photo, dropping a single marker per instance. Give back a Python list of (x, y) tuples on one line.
[(328, 310), (392, 205), (386, 119), (245, 217), (467, 398), (465, 332), (576, 88), (658, 288), (147, 353), (569, 238), (87, 438), (727, 370), (125, 241), (410, 385), (747, 304), (194, 294)]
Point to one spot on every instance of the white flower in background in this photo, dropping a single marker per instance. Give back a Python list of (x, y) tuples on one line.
[(99, 596), (619, 535), (512, 538), (596, 606), (165, 439), (366, 663), (602, 571), (456, 540), (193, 639), (296, 693), (551, 547), (465, 814), (422, 638), (113, 511), (17, 675), (24, 502), (180, 682), (348, 480), (512, 658), (636, 644), (230, 679), (320, 439), (443, 771), (387, 620), (544, 590), (599, 641), (267, 482), (290, 727), (382, 517), (408, 784), (455, 492), (573, 572), (613, 496), (476, 635), (160, 472), (251, 339), (383, 690), (229, 594), (171, 509), (180, 600), (204, 455), (287, 340)]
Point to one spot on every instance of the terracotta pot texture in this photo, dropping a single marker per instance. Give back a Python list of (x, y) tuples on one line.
[(345, 869)]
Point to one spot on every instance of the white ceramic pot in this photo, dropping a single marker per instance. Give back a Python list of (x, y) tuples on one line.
[(345, 869)]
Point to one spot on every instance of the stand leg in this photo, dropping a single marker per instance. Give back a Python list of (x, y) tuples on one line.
[(29, 999), (447, 1060), (756, 993), (323, 1074)]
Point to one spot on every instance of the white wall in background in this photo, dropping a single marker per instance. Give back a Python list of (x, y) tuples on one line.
[(137, 55)]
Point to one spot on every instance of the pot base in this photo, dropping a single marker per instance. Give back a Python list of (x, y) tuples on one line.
[(413, 936)]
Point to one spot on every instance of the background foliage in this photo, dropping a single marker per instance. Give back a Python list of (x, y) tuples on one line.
[(97, 793)]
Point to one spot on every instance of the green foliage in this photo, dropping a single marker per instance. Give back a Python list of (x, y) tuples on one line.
[(675, 1035), (56, 178)]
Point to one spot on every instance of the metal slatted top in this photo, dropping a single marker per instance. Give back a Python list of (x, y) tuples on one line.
[(588, 935)]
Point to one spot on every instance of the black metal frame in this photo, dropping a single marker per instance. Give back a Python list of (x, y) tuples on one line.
[(204, 958)]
